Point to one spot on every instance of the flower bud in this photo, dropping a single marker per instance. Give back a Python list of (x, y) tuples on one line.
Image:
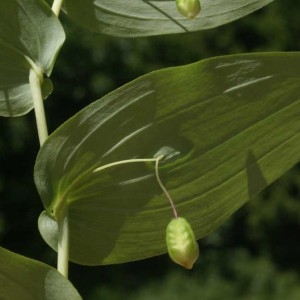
[(181, 243), (188, 8)]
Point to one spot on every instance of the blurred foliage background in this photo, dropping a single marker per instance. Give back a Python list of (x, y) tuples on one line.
[(253, 256)]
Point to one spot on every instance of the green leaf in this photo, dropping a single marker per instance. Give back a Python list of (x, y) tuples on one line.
[(27, 279), (149, 17), (30, 37), (229, 126)]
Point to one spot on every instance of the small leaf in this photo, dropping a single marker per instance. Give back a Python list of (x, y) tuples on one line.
[(30, 37), (47, 88), (27, 279), (182, 246), (149, 17)]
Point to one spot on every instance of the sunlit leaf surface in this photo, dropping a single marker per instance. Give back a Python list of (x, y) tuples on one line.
[(155, 17), (231, 122), (30, 36), (27, 279)]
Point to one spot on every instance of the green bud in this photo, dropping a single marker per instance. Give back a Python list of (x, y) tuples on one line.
[(188, 8), (181, 243)]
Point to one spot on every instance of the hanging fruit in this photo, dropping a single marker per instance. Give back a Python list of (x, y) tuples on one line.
[(188, 8), (181, 242)]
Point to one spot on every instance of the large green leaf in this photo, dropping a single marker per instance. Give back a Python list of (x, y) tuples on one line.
[(30, 37), (27, 279), (154, 17), (232, 122)]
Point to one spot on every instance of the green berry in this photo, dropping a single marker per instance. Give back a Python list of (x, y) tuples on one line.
[(189, 8), (181, 243)]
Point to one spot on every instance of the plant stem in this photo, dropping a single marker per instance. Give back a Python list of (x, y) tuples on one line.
[(121, 162), (56, 6), (35, 80), (163, 187), (63, 245)]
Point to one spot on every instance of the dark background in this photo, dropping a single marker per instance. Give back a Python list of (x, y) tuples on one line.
[(254, 255)]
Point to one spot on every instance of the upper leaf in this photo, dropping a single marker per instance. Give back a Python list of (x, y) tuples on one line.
[(154, 17), (27, 279), (30, 37), (230, 124)]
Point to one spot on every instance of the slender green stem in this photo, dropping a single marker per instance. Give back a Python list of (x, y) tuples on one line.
[(63, 245), (35, 80), (56, 6), (163, 187), (121, 162), (135, 160)]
